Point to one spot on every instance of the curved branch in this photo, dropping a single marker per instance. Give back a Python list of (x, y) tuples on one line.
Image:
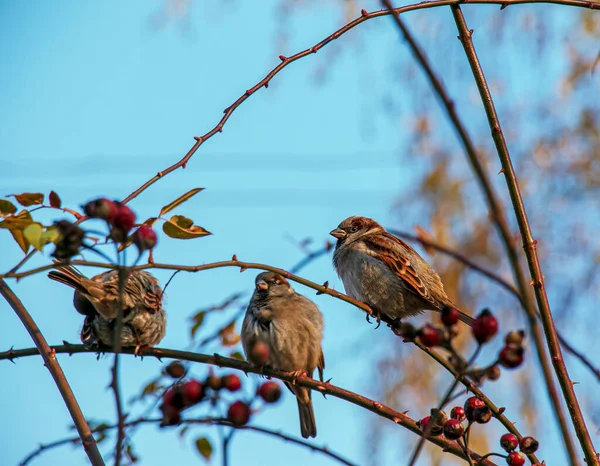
[(49, 357), (529, 244), (321, 387), (213, 421)]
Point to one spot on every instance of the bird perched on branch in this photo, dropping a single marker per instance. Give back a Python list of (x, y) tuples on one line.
[(97, 298), (291, 327), (386, 273)]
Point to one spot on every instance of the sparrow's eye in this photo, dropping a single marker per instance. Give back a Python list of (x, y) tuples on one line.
[(353, 229)]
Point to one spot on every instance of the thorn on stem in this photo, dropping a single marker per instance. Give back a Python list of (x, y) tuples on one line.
[(282, 57), (504, 5), (198, 138), (326, 286), (501, 171), (363, 12), (234, 258)]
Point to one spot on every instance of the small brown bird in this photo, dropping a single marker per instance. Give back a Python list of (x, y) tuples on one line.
[(386, 273), (144, 320), (292, 328)]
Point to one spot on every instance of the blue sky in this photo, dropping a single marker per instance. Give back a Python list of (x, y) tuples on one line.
[(95, 100)]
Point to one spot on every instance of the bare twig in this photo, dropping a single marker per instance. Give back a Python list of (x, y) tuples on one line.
[(212, 421), (499, 218), (529, 245), (49, 357)]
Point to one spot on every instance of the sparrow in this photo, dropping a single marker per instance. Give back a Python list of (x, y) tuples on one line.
[(291, 326), (386, 273), (97, 298)]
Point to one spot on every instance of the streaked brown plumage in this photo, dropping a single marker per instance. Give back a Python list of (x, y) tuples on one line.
[(144, 320), (291, 326), (386, 273)]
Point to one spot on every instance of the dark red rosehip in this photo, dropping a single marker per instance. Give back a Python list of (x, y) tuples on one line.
[(122, 222), (509, 442), (515, 337), (173, 398), (471, 405), (171, 415), (238, 413), (449, 316), (100, 208), (405, 330), (259, 354), (493, 372), (515, 458), (144, 238), (231, 382), (192, 392), (71, 238), (429, 336), (453, 429), (485, 327), (270, 392), (458, 412), (434, 430), (511, 356), (528, 445), (175, 369), (482, 415)]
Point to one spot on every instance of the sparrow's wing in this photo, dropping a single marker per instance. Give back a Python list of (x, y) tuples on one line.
[(321, 366), (388, 249)]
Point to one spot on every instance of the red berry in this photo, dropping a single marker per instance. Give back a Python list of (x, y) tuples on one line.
[(485, 327), (509, 442), (270, 392), (100, 208), (515, 458), (259, 354), (144, 238), (471, 405), (528, 445), (173, 398), (482, 415), (238, 413), (453, 429), (493, 372), (511, 356), (171, 415), (515, 337), (122, 221), (449, 315), (458, 413), (231, 382), (434, 430), (429, 336), (175, 370), (192, 392)]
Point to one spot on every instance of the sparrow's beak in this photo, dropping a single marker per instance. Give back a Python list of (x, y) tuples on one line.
[(338, 233), (262, 285)]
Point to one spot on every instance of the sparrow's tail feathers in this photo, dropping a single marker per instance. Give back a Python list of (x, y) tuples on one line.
[(87, 333), (308, 425), (69, 276)]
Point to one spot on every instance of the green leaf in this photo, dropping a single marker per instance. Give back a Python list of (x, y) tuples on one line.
[(51, 235), (237, 355), (17, 222), (204, 447), (180, 200), (27, 199), (54, 200), (33, 235), (20, 239), (198, 319), (181, 227), (7, 207)]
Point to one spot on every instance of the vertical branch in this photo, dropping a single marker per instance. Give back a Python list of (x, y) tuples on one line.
[(49, 357), (529, 244), (499, 218)]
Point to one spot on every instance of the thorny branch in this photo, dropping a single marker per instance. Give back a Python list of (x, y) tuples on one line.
[(325, 388), (529, 244), (49, 356)]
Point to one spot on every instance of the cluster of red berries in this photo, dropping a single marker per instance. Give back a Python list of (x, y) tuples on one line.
[(454, 427), (121, 220), (510, 442), (191, 392), (511, 355)]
